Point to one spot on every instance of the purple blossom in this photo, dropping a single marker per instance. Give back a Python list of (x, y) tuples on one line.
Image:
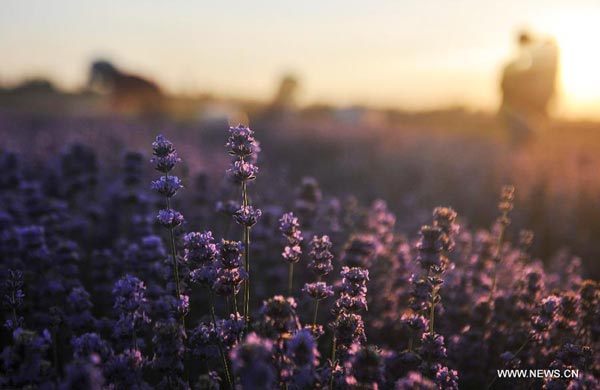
[(229, 281), (415, 381), (241, 142), (348, 328), (278, 316), (230, 330), (291, 254), (167, 185), (354, 280), (318, 290), (290, 228), (167, 163), (242, 171), (89, 344), (161, 147), (170, 218), (206, 275), (320, 255), (252, 362), (200, 248), (247, 216), (360, 251)]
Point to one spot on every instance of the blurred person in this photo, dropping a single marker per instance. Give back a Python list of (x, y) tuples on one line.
[(129, 94), (528, 86), (284, 101)]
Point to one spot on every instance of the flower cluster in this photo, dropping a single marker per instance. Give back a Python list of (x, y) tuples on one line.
[(290, 229), (97, 294)]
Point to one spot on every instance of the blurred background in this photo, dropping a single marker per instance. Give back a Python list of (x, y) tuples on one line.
[(420, 103)]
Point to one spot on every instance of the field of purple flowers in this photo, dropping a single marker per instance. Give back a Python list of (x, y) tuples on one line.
[(115, 279)]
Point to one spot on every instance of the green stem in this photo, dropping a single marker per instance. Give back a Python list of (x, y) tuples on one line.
[(246, 259), (235, 307), (333, 363), (290, 279), (135, 346), (315, 314), (174, 255), (247, 266), (222, 352), (496, 257), (432, 311)]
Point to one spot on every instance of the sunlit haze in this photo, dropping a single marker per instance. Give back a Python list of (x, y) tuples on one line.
[(400, 54)]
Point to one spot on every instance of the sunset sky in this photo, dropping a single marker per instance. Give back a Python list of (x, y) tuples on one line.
[(396, 53)]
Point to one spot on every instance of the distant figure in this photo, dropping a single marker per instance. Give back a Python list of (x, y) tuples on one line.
[(284, 100), (528, 86), (129, 93)]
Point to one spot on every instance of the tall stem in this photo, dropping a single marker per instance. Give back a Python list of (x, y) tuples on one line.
[(432, 311), (497, 258), (222, 352), (333, 363), (173, 250), (246, 259), (315, 314), (235, 307), (290, 279)]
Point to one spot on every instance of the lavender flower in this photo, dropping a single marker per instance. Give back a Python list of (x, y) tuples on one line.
[(278, 316), (13, 297), (168, 341), (229, 281), (360, 251), (170, 218), (321, 256), (241, 142), (230, 273), (91, 344), (229, 330), (290, 228), (318, 290), (242, 171), (415, 381), (247, 216), (166, 163), (304, 357), (129, 304), (252, 362), (167, 185), (444, 218), (366, 367), (83, 374), (162, 147), (348, 329), (200, 248), (430, 249)]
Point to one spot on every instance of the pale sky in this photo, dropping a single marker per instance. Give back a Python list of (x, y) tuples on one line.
[(396, 53)]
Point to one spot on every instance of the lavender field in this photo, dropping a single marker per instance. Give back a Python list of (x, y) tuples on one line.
[(277, 195), (154, 254)]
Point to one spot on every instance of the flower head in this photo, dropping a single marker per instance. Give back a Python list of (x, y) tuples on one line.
[(200, 248), (242, 171), (241, 142), (252, 361), (247, 216), (167, 185), (320, 255), (318, 290), (169, 218)]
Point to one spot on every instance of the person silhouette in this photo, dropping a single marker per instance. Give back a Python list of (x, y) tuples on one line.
[(528, 86)]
